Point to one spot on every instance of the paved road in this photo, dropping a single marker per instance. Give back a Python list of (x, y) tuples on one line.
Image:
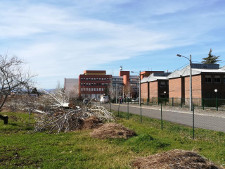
[(201, 121)]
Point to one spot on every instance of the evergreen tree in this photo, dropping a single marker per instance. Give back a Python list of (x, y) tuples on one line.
[(211, 59)]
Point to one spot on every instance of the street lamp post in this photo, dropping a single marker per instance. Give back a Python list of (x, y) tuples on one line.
[(165, 96), (216, 99), (179, 55)]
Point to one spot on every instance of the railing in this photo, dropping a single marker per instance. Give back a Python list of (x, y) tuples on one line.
[(203, 103), (210, 103)]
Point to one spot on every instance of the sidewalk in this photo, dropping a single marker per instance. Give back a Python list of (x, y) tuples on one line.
[(205, 119)]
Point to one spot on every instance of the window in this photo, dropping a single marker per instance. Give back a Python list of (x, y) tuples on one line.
[(162, 84), (217, 79), (208, 79)]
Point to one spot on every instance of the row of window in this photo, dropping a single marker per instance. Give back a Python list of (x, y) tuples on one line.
[(92, 89), (117, 79), (93, 84), (94, 78), (216, 79)]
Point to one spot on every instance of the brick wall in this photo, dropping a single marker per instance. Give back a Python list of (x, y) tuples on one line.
[(196, 87), (175, 88), (153, 90), (144, 91)]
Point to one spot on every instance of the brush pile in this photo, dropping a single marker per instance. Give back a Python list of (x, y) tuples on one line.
[(176, 159), (65, 120), (54, 112)]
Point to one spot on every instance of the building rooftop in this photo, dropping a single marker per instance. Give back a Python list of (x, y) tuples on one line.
[(195, 71), (95, 72), (155, 76)]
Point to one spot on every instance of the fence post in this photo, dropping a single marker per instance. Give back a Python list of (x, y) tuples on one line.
[(216, 104), (110, 107), (193, 109), (128, 114), (161, 118), (140, 113), (118, 114), (172, 101), (4, 118), (181, 102), (203, 104)]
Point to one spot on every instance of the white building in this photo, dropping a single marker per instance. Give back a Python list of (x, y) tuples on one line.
[(71, 87)]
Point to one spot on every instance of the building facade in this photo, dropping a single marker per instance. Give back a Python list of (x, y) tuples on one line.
[(94, 83), (205, 79), (154, 86), (125, 85)]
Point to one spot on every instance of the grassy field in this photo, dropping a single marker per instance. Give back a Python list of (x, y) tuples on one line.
[(19, 147)]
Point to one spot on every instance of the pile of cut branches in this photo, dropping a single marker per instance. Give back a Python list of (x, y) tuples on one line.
[(102, 113), (69, 120)]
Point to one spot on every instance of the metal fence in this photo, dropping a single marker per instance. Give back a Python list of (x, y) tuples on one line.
[(202, 103), (187, 122)]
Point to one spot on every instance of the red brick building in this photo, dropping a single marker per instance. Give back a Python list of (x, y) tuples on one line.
[(93, 83), (205, 79), (127, 85), (154, 86)]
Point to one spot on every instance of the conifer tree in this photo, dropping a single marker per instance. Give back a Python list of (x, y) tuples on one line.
[(211, 59)]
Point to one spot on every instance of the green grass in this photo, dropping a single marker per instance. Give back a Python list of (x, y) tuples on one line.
[(19, 147)]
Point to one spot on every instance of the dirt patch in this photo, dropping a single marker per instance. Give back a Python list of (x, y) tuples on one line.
[(174, 159), (112, 130), (90, 123)]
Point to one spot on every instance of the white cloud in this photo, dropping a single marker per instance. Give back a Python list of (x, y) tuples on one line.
[(60, 42)]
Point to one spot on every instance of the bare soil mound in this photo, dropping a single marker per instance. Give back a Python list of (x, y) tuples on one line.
[(90, 123), (112, 130), (174, 159)]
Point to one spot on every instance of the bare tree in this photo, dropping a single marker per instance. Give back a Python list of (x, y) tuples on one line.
[(12, 78)]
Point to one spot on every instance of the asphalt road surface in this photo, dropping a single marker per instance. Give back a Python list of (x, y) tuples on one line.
[(204, 121)]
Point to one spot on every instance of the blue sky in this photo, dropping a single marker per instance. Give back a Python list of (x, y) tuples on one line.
[(61, 38)]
